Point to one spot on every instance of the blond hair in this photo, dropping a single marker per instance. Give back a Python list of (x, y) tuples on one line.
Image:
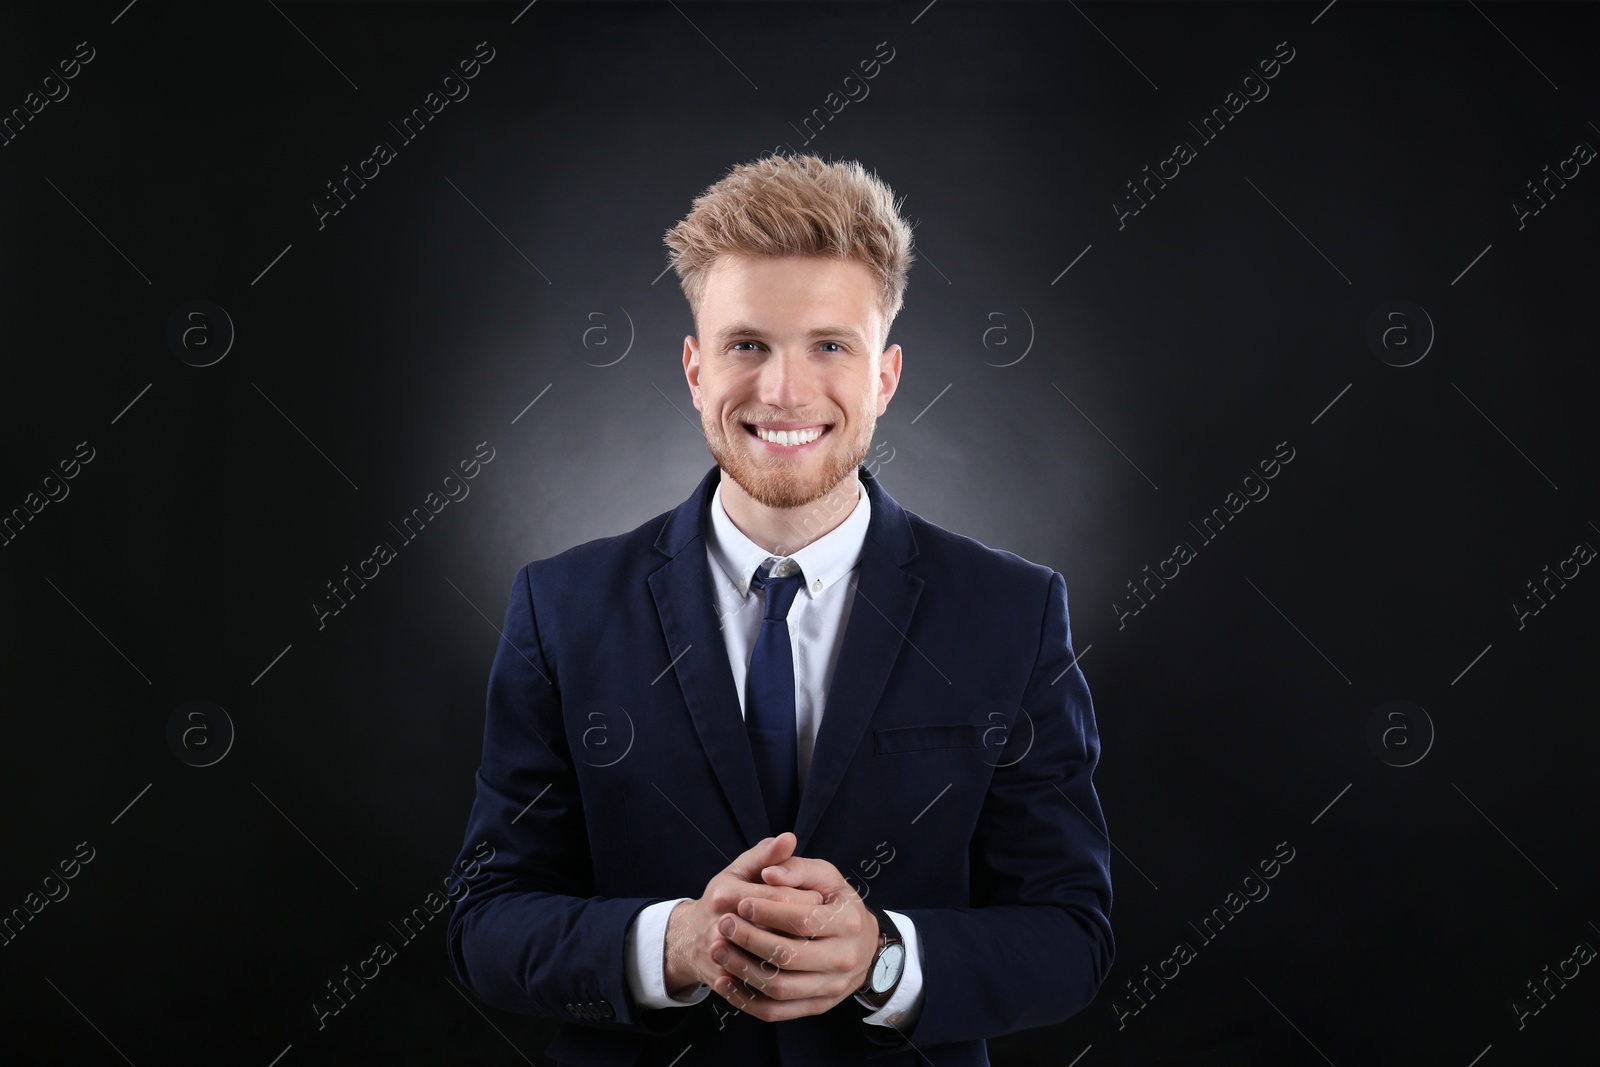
[(795, 206)]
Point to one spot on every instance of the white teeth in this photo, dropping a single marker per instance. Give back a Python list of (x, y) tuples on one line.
[(789, 437)]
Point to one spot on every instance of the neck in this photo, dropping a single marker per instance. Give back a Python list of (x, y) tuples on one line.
[(785, 531)]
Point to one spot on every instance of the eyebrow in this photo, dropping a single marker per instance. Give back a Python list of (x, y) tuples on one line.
[(745, 329)]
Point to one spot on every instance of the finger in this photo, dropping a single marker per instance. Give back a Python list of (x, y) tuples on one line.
[(776, 950), (766, 1008), (795, 918), (755, 975), (779, 876), (726, 897), (785, 893), (767, 851), (802, 872)]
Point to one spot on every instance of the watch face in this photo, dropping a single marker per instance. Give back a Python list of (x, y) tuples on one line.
[(886, 971)]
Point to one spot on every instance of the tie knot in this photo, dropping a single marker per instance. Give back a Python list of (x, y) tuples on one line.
[(780, 590)]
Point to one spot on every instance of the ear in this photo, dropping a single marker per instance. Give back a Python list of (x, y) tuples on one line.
[(888, 376), (691, 367)]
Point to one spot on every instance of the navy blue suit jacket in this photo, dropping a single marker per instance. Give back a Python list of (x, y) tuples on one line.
[(951, 781)]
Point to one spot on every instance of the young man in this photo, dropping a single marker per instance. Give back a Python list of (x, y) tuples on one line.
[(787, 743)]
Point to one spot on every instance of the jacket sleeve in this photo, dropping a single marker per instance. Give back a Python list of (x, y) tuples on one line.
[(530, 935), (1036, 945)]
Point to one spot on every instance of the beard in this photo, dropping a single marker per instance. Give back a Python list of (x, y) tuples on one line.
[(776, 483)]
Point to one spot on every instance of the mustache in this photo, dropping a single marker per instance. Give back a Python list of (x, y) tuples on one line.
[(788, 418)]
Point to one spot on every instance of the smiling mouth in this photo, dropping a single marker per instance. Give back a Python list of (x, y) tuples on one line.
[(783, 440)]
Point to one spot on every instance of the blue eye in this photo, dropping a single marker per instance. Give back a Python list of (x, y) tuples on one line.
[(737, 345)]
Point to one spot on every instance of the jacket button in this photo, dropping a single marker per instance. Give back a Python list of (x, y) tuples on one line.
[(605, 1010)]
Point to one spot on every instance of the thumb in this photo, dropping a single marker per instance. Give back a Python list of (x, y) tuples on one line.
[(782, 848)]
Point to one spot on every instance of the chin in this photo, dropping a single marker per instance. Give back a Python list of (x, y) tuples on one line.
[(776, 482)]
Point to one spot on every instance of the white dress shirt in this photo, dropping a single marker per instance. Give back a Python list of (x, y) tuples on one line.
[(830, 565)]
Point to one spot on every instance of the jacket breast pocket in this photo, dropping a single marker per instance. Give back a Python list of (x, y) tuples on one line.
[(926, 738)]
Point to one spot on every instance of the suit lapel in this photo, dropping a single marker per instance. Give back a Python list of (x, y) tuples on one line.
[(880, 615), (683, 594), (885, 597)]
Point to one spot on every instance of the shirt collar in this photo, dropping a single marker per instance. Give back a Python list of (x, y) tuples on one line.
[(824, 561)]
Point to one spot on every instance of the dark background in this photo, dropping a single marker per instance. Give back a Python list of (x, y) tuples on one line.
[(513, 252)]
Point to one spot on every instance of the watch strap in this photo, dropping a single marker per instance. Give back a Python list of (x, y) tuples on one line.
[(886, 924)]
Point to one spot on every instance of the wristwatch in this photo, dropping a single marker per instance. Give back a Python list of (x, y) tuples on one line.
[(888, 965)]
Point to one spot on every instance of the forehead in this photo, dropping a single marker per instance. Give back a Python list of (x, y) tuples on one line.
[(790, 287)]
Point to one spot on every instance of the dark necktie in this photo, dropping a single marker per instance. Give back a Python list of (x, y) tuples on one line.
[(769, 701)]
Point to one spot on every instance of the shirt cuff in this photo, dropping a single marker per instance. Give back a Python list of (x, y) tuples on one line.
[(644, 948), (905, 1006)]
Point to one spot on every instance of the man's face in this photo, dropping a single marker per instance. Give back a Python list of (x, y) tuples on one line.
[(789, 343)]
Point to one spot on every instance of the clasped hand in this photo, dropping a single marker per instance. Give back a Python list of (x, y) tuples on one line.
[(777, 935)]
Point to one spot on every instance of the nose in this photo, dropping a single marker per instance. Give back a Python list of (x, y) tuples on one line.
[(784, 381)]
